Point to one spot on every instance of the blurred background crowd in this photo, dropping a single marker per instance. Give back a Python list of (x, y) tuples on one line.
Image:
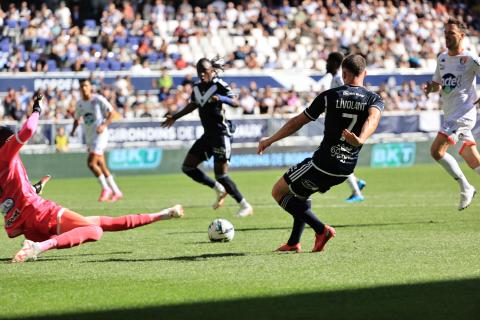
[(159, 35)]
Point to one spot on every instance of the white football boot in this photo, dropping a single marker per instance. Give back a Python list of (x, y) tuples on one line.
[(221, 195), (466, 197), (29, 252), (245, 210)]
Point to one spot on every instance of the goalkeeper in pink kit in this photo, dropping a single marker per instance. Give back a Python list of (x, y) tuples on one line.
[(45, 224)]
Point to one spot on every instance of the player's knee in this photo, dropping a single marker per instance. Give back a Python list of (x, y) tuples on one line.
[(436, 154), (187, 169)]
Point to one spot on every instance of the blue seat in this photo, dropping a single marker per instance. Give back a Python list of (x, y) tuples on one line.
[(121, 42), (33, 56), (91, 65), (97, 47), (153, 57), (52, 65), (127, 65), (90, 23), (12, 24), (23, 24), (115, 65), (103, 65)]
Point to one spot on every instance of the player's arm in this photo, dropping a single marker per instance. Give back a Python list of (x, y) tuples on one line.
[(292, 126), (107, 122), (74, 127), (170, 119), (14, 144), (368, 128), (430, 86)]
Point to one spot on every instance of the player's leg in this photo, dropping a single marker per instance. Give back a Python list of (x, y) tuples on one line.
[(93, 165), (71, 229), (198, 153), (221, 175), (117, 194), (292, 191), (469, 153), (132, 221), (356, 185), (439, 152)]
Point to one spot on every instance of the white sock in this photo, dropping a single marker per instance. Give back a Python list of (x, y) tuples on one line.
[(244, 203), (113, 185), (353, 183), (449, 163), (219, 187), (103, 181)]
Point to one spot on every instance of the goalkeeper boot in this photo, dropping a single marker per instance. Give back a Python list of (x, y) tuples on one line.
[(29, 252)]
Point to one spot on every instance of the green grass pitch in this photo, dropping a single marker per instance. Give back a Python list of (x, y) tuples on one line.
[(404, 253)]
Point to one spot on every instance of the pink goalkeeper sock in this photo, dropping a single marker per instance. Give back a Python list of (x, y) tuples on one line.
[(78, 236), (125, 222)]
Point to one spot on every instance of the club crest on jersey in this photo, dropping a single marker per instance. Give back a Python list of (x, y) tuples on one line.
[(6, 206), (463, 60), (449, 82), (202, 99)]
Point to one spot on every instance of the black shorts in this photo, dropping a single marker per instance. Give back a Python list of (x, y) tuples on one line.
[(217, 146), (304, 179)]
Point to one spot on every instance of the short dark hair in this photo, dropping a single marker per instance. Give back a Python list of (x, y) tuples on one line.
[(355, 64), (5, 133), (84, 80), (457, 22), (334, 61)]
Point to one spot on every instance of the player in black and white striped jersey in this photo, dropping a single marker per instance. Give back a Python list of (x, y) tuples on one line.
[(209, 94)]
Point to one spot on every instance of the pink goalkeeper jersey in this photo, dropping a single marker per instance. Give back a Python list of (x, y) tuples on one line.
[(18, 200)]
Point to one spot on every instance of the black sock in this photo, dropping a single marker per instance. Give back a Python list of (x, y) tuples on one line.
[(298, 227), (300, 209), (230, 187), (199, 176)]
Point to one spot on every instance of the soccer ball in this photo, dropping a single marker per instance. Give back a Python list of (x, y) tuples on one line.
[(220, 230)]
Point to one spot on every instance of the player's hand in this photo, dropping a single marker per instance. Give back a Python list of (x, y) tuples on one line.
[(169, 121), (263, 144), (37, 98), (214, 98), (427, 87), (352, 138), (101, 128)]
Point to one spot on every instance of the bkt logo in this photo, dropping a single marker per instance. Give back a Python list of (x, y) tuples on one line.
[(449, 82)]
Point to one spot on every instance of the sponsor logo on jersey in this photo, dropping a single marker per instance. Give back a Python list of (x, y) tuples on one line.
[(449, 82), (6, 206), (88, 118), (309, 185), (12, 219)]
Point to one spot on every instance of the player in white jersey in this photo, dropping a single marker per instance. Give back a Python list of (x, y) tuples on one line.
[(97, 114), (333, 79), (455, 77)]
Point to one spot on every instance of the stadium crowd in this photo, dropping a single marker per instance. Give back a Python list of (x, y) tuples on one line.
[(249, 33), (165, 35)]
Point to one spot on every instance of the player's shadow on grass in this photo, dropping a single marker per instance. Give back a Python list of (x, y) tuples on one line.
[(457, 299), (201, 257), (363, 225)]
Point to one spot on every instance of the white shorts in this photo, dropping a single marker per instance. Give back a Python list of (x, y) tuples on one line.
[(459, 131), (98, 143)]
